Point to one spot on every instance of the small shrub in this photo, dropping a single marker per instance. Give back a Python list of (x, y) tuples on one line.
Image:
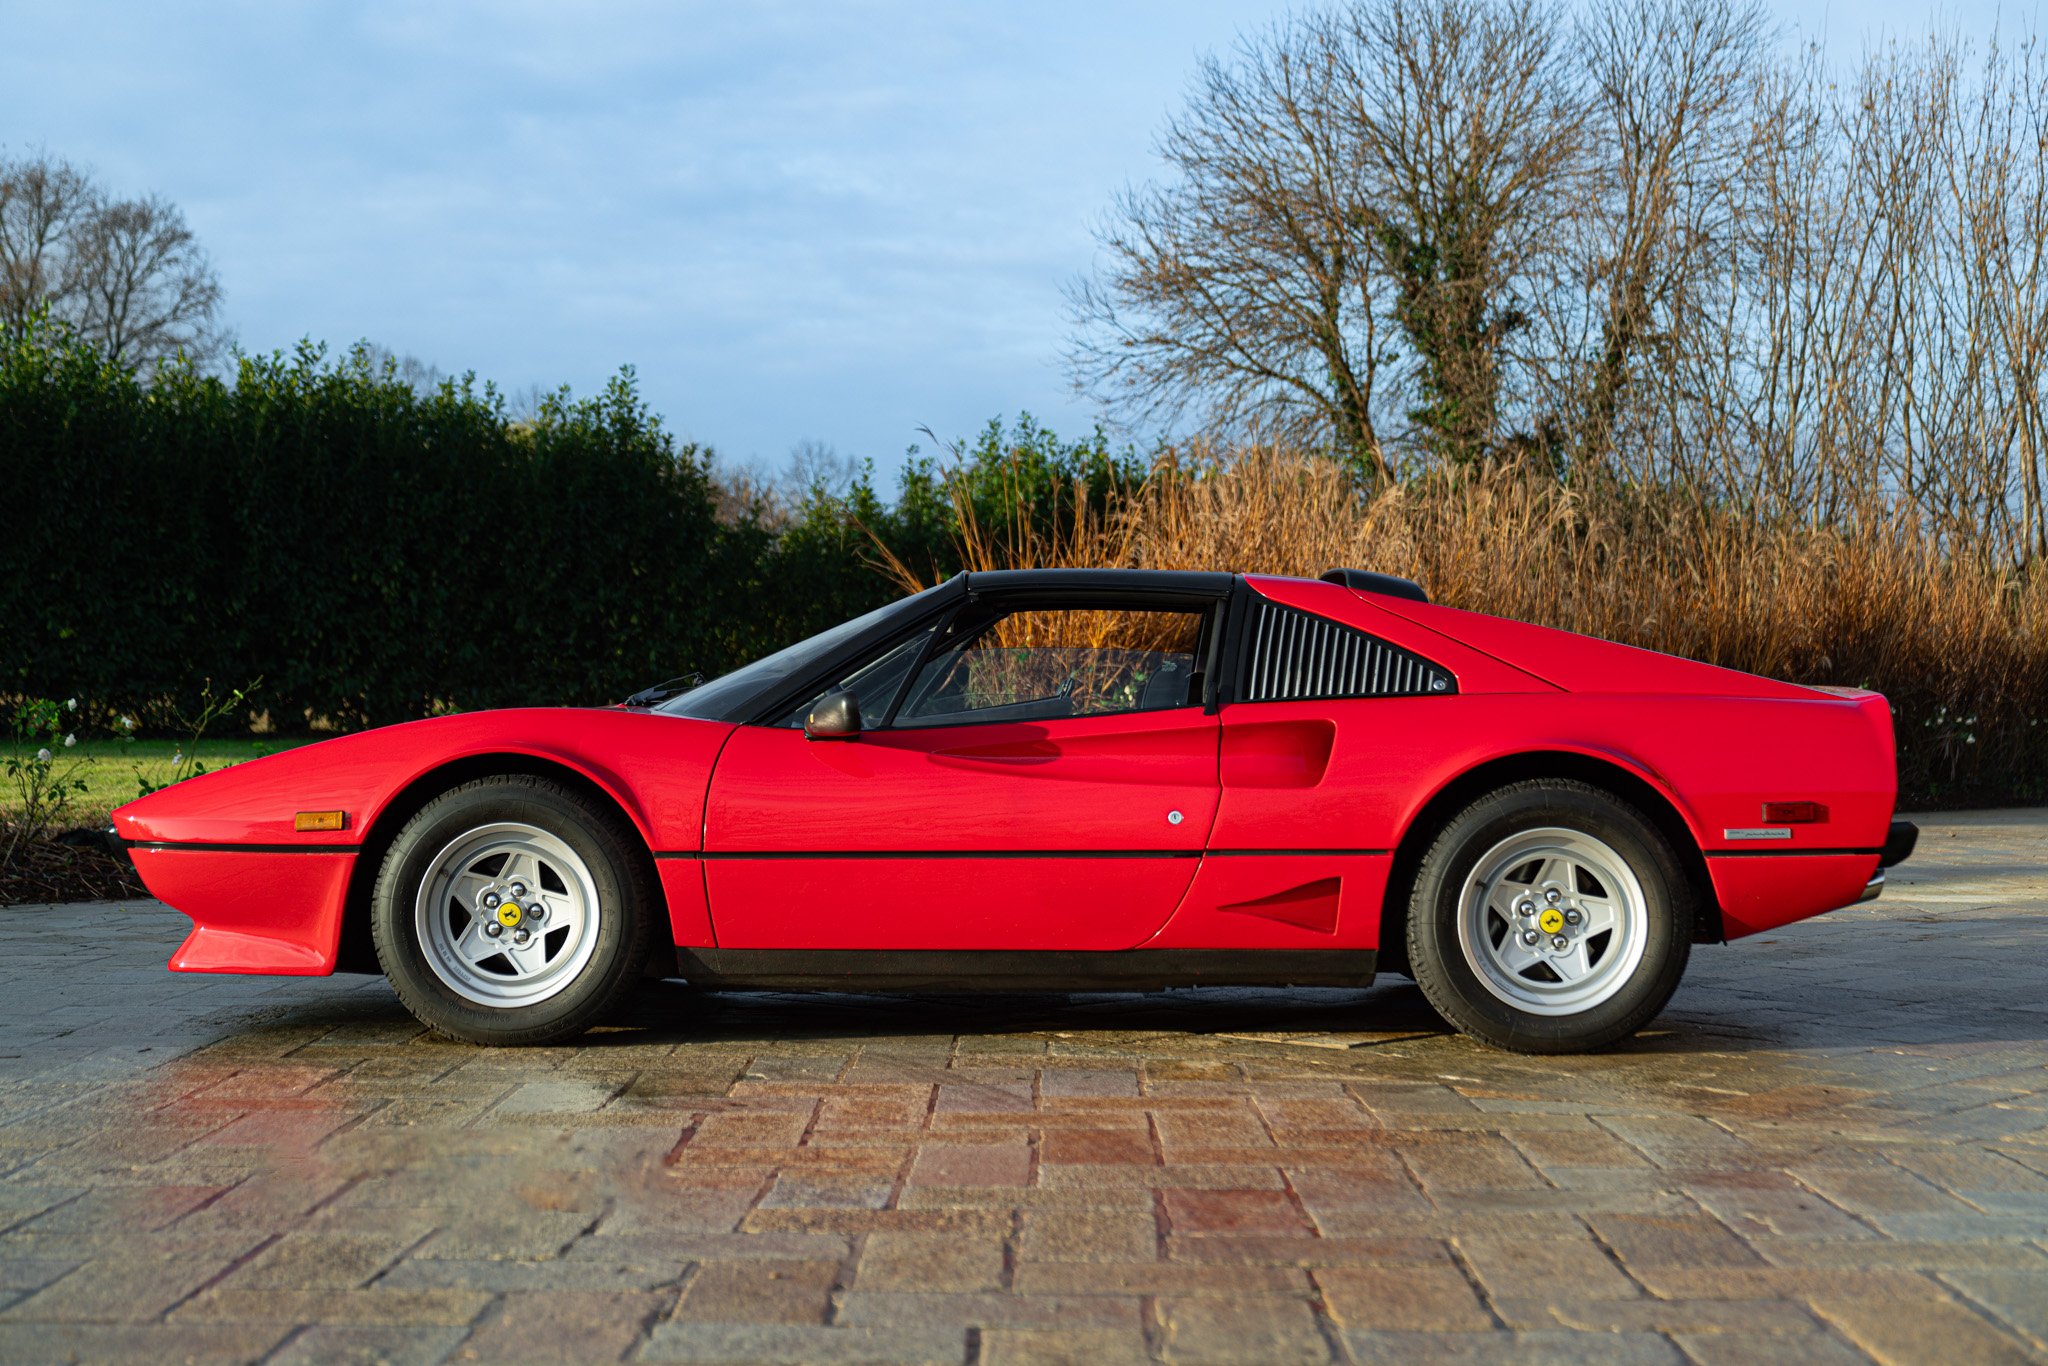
[(41, 781), (192, 729)]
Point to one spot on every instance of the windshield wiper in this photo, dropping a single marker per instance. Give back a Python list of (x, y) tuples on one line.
[(662, 692)]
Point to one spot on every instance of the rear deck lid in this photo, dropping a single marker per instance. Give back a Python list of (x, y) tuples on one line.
[(1579, 663)]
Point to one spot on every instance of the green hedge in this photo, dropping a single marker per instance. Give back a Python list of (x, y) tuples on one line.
[(375, 555), (372, 554)]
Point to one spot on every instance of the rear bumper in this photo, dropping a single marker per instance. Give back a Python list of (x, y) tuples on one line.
[(1898, 847), (1758, 894), (1762, 892)]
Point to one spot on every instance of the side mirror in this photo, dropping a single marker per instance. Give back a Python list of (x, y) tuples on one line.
[(836, 716)]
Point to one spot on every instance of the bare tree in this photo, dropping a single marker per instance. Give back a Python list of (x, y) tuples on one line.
[(1471, 142), (1345, 188), (143, 287), (128, 275), (42, 204), (1882, 334), (816, 469), (1245, 288), (1674, 91), (422, 377)]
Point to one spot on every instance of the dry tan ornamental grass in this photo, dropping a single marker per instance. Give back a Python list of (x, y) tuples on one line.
[(1955, 640)]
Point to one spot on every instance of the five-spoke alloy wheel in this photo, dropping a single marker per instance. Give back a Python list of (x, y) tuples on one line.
[(1553, 920), (507, 914), (512, 910), (1549, 917)]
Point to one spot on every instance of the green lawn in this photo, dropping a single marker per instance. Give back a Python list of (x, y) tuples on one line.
[(112, 769)]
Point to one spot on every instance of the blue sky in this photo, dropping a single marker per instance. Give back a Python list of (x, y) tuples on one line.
[(829, 222)]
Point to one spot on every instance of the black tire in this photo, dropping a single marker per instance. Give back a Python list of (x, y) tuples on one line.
[(1453, 983), (627, 903)]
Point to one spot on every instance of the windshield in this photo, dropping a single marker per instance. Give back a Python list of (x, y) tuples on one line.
[(745, 687)]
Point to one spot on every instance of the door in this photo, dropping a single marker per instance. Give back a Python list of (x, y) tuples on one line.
[(1028, 776)]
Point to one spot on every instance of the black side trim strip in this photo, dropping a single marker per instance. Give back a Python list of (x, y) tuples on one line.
[(1785, 853), (154, 846), (780, 855), (1021, 970), (1294, 853)]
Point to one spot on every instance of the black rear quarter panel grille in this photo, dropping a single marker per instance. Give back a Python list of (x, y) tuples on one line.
[(1291, 655)]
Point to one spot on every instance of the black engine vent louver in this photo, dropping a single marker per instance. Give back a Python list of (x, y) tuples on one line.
[(1291, 655)]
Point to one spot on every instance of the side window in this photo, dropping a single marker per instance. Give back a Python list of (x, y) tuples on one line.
[(1042, 664), (1291, 655), (874, 684)]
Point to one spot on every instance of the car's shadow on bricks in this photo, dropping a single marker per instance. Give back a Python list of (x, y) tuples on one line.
[(1394, 1007), (1830, 984)]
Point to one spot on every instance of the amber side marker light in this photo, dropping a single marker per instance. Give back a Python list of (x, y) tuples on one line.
[(320, 820), (1794, 813)]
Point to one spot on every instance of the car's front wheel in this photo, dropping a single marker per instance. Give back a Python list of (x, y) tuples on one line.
[(1550, 917), (512, 910)]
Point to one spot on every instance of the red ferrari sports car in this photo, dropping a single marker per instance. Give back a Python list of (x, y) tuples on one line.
[(1068, 780)]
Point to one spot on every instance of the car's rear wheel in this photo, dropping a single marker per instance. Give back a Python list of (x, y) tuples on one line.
[(512, 910), (1550, 917)]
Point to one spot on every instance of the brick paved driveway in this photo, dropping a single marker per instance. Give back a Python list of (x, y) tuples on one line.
[(1834, 1146)]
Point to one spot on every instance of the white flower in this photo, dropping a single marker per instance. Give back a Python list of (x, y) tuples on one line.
[(43, 756), (71, 704), (70, 740), (127, 723)]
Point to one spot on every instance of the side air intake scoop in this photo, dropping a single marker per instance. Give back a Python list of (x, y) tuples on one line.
[(1365, 581)]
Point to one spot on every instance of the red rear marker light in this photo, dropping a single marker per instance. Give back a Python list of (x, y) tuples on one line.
[(320, 820), (1794, 813)]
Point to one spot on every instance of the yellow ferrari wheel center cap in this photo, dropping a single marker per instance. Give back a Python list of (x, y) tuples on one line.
[(509, 915), (1552, 920)]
